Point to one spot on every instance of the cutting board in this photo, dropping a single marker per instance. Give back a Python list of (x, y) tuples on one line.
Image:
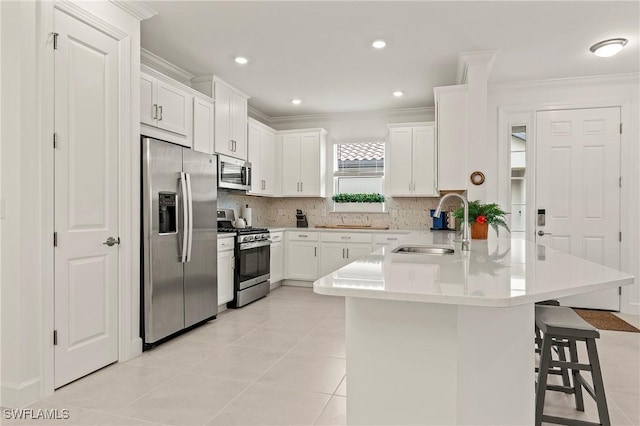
[(352, 227)]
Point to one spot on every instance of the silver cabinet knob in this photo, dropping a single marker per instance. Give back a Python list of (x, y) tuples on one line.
[(112, 241)]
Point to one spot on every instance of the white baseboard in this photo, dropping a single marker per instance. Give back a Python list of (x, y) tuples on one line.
[(275, 285), (630, 308), (20, 395), (298, 283), (135, 348)]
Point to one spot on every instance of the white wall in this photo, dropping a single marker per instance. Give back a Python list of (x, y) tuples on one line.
[(26, 292), (621, 90)]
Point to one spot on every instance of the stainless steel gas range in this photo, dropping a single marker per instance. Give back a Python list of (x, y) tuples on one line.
[(252, 260)]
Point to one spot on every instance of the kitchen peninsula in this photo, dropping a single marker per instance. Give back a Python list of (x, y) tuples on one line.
[(448, 339)]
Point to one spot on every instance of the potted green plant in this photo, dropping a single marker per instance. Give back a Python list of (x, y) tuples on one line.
[(481, 216), (358, 202)]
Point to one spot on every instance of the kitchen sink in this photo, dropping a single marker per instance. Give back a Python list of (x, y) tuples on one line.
[(438, 250)]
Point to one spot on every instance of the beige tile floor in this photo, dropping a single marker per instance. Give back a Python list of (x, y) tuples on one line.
[(279, 361)]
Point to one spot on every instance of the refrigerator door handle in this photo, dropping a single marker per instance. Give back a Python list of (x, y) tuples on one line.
[(190, 208), (185, 228)]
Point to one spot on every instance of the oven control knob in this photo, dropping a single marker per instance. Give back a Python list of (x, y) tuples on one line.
[(248, 238)]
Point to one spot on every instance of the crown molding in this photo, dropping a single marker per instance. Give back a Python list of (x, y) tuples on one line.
[(596, 80), (135, 8), (480, 57), (352, 114), (212, 78), (258, 115), (165, 67)]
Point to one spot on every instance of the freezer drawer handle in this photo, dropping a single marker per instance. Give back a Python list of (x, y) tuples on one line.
[(112, 241)]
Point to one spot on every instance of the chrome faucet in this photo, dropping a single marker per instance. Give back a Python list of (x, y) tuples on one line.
[(465, 223)]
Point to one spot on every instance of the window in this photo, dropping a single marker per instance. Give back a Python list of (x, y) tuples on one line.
[(359, 167)]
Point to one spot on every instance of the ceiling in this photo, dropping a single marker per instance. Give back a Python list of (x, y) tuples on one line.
[(321, 51)]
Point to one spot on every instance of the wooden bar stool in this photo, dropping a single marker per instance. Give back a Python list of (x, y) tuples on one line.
[(561, 327)]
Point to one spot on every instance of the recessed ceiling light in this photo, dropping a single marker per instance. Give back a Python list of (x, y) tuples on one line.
[(398, 93), (296, 101), (379, 44), (610, 47), (241, 60)]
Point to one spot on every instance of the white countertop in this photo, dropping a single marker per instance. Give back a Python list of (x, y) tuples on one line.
[(496, 272), (366, 230)]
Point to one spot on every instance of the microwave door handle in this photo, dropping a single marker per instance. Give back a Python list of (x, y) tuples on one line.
[(190, 224), (183, 197)]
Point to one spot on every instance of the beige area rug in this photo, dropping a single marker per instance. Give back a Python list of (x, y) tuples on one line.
[(603, 320)]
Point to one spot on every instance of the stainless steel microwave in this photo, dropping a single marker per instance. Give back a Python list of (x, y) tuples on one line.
[(234, 173)]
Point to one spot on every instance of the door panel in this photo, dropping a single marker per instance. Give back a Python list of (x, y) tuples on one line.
[(400, 161), (255, 158), (147, 100), (200, 272), (163, 269), (577, 172), (222, 120), (290, 164), (424, 157), (332, 257), (203, 125), (86, 199), (268, 159), (239, 125), (310, 164), (174, 113)]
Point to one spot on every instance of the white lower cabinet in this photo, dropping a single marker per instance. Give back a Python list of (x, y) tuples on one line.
[(277, 257), (338, 249), (302, 255), (387, 240), (226, 265)]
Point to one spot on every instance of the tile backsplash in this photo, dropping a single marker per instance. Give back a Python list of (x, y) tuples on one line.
[(401, 213)]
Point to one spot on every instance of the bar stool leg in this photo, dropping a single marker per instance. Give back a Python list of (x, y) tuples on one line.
[(543, 372), (598, 385), (565, 372), (577, 384)]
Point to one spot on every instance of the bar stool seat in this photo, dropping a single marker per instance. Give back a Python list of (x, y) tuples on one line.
[(561, 327)]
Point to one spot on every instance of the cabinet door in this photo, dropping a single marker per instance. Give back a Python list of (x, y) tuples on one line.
[(203, 125), (302, 260), (357, 251), (424, 161), (277, 262), (148, 106), (173, 108), (310, 164), (255, 158), (225, 276), (268, 162), (239, 126), (333, 256), (399, 175), (291, 164), (222, 137)]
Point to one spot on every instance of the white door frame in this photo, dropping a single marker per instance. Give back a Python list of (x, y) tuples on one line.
[(628, 153), (128, 345)]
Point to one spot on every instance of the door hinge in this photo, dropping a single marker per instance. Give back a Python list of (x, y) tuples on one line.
[(55, 239), (55, 140), (620, 128), (620, 236), (55, 41), (55, 337), (620, 182), (620, 290)]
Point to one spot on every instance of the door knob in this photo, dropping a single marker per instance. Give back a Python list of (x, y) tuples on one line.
[(541, 233), (112, 241)]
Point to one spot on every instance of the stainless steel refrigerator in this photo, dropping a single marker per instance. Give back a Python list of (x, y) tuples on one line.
[(179, 241)]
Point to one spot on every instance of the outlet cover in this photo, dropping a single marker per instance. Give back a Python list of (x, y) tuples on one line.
[(280, 212)]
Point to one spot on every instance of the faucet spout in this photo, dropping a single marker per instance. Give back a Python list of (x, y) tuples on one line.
[(465, 223)]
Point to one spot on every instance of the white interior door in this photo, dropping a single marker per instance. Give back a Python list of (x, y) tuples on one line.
[(86, 199), (577, 184)]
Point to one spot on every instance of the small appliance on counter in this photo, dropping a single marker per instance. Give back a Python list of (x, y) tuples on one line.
[(301, 221), (439, 222)]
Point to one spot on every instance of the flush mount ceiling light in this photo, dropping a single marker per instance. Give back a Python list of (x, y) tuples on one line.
[(379, 44), (241, 60), (296, 101), (609, 47), (398, 93)]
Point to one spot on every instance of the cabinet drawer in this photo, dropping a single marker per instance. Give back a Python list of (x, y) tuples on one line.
[(276, 237), (225, 244), (302, 236), (388, 238), (346, 237)]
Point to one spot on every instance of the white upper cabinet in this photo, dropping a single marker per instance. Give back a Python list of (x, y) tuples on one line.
[(165, 108), (203, 124), (303, 162), (411, 160), (261, 155), (451, 126), (230, 136)]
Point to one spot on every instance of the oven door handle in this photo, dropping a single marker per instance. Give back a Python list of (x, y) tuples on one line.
[(256, 244)]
